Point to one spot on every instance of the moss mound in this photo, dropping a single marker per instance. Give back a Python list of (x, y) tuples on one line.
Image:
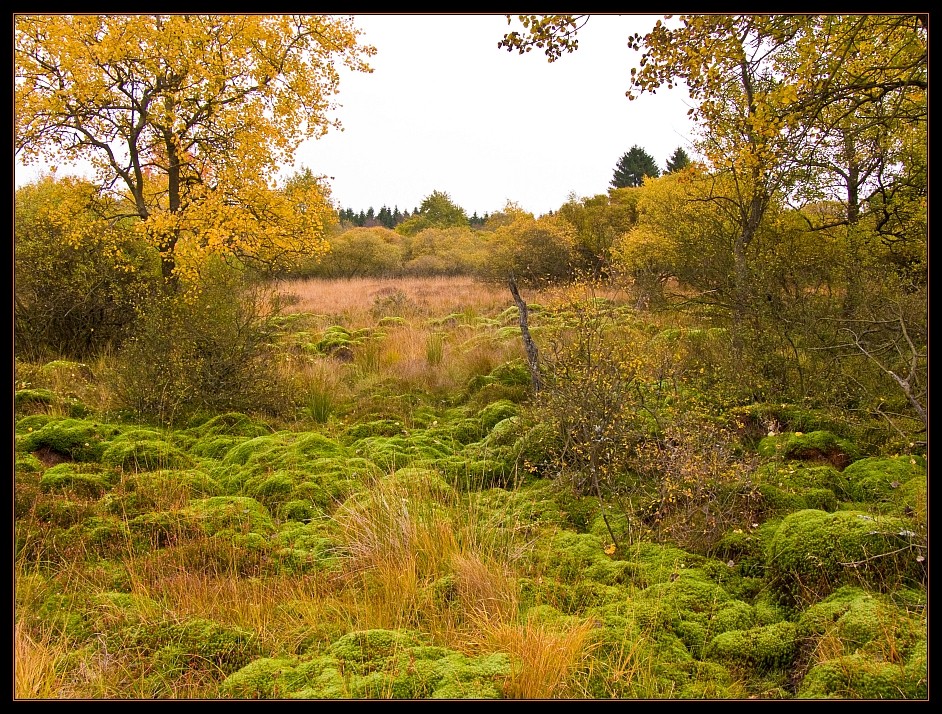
[(373, 664), (69, 439), (813, 553), (816, 446)]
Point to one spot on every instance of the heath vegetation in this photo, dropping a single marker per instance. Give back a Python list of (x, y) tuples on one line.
[(667, 442)]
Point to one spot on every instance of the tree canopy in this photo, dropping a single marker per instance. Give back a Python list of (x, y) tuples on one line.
[(677, 161), (189, 118), (437, 211), (632, 168)]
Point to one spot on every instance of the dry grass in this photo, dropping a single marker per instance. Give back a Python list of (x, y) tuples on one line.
[(34, 661), (435, 296), (544, 659)]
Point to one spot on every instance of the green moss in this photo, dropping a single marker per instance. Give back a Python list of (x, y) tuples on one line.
[(814, 552), (258, 680), (304, 548), (59, 512), (487, 392), (75, 439), (32, 399), (301, 509), (111, 613), (133, 453), (580, 556), (88, 480), (366, 647), (229, 424), (101, 535), (161, 528), (239, 513), (815, 446), (377, 427), (273, 488), (865, 623), (877, 478), (396, 452), (767, 648), (195, 645), (687, 604), (215, 446), (652, 563), (425, 483), (778, 501), (856, 676), (374, 664), (283, 450), (497, 412), (32, 422), (735, 615)]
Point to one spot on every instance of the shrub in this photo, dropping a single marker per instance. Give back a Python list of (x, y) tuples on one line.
[(204, 350), (79, 276)]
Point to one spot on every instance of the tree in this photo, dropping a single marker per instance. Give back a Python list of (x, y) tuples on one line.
[(436, 211), (827, 113), (189, 118), (678, 160), (597, 221), (632, 167)]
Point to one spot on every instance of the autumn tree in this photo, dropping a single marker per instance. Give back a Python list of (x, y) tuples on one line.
[(189, 118), (825, 113), (598, 222), (633, 167)]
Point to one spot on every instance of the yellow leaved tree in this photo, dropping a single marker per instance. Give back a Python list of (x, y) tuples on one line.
[(188, 118)]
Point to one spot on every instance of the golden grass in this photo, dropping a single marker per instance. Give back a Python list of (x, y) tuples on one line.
[(422, 296), (34, 661), (544, 659)]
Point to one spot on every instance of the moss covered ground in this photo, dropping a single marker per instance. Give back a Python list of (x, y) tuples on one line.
[(419, 533)]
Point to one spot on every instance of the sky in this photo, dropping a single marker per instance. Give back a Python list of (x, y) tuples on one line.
[(446, 110)]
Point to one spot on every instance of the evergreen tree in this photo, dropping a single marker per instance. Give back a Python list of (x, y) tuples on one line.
[(633, 166), (678, 160)]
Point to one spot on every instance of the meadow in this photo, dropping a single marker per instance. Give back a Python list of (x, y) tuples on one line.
[(417, 528)]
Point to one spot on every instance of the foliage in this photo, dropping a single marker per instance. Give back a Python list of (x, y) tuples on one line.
[(359, 251), (598, 223), (633, 167), (437, 211), (209, 350), (678, 161), (190, 117), (536, 251), (78, 276)]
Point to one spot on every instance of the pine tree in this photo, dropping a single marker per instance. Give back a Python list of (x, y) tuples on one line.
[(678, 160), (633, 167)]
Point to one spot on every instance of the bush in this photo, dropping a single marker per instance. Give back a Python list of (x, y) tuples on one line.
[(205, 349), (78, 275)]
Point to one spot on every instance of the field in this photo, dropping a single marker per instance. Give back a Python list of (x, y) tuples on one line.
[(422, 525)]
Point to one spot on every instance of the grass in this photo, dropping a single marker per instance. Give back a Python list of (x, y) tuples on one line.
[(404, 542)]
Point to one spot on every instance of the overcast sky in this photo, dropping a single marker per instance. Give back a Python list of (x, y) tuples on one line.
[(446, 110)]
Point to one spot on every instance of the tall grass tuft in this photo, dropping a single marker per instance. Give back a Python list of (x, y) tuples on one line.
[(544, 659)]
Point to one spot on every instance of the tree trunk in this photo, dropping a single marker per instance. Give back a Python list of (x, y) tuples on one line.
[(533, 357)]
